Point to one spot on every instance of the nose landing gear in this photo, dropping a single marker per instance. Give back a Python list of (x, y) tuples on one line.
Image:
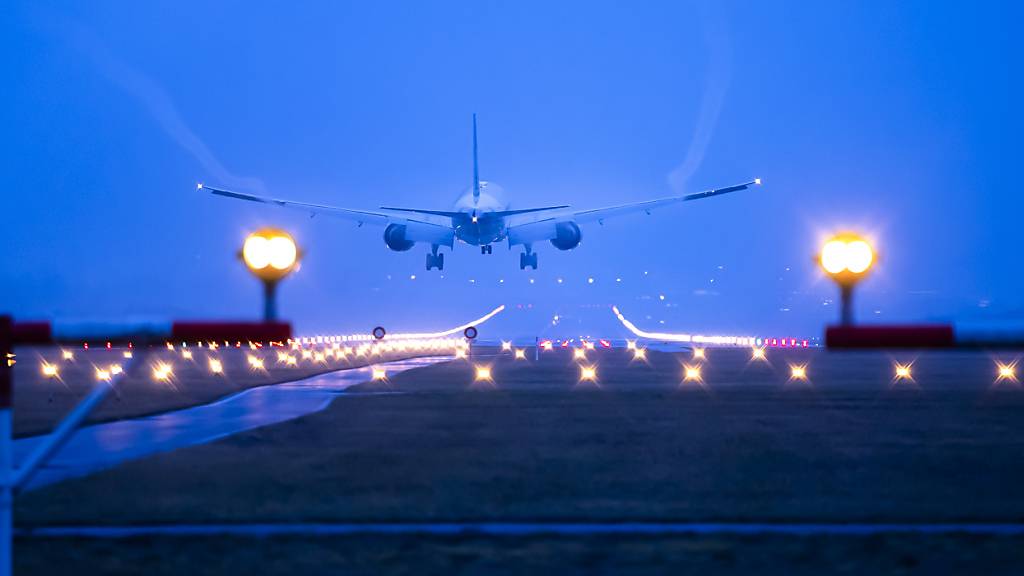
[(486, 249)]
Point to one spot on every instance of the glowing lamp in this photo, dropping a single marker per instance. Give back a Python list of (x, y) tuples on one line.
[(757, 354), (691, 373), (483, 373), (271, 255), (903, 372), (797, 372), (520, 354), (639, 354), (379, 374), (579, 353), (846, 258), (50, 370), (215, 366), (588, 373)]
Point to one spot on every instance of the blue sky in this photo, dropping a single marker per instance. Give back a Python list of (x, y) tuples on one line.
[(894, 119)]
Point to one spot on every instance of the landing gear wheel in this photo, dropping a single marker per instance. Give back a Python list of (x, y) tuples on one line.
[(527, 260), (435, 261), (486, 249)]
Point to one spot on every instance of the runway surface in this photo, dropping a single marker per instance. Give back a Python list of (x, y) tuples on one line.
[(527, 529), (102, 446)]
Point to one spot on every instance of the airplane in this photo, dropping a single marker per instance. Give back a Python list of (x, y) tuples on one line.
[(481, 217)]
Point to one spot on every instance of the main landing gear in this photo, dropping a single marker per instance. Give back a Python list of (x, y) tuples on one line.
[(486, 249), (435, 260), (528, 258)]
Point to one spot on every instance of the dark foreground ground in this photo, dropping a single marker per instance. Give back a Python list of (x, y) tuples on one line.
[(535, 445)]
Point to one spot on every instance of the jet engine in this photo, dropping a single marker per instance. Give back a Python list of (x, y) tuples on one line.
[(567, 236), (394, 237)]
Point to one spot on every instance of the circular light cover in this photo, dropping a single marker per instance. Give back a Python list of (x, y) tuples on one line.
[(270, 254), (846, 257)]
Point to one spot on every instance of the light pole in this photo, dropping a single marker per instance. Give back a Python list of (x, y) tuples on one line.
[(271, 255), (846, 258)]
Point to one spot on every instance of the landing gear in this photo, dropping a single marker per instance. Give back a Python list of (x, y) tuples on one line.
[(435, 260), (486, 249), (528, 259)]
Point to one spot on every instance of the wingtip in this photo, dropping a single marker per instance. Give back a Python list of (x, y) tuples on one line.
[(199, 185), (757, 181)]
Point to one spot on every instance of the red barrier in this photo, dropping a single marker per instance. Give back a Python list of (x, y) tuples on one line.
[(32, 333), (244, 331), (140, 332), (901, 336)]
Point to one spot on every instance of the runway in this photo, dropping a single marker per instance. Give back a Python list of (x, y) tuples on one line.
[(102, 446), (526, 529)]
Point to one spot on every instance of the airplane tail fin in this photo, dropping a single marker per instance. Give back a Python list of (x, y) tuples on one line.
[(476, 167)]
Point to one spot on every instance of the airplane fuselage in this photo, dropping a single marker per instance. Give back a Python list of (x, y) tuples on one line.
[(477, 224)]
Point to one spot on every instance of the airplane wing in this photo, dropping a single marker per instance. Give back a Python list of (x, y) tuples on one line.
[(359, 216), (600, 214)]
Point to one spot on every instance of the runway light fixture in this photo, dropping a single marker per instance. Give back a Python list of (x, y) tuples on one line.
[(186, 354), (639, 354), (630, 344), (698, 353), (116, 369), (798, 372), (691, 373), (271, 255), (588, 373), (216, 367), (757, 354), (1006, 372), (483, 373), (520, 354), (162, 371), (379, 373), (49, 370), (103, 375), (506, 346), (579, 354), (67, 355), (127, 354), (846, 258), (902, 371)]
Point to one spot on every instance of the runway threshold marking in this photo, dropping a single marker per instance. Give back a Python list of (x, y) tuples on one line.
[(526, 529)]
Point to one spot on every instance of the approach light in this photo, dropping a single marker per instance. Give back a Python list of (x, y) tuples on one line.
[(379, 373), (103, 375), (588, 373), (579, 354), (127, 354), (116, 369), (67, 355), (506, 346), (1006, 372), (639, 354), (757, 354), (50, 370), (215, 366), (797, 371), (846, 258), (520, 354), (698, 354), (460, 353), (902, 371), (692, 373), (255, 362), (483, 373), (630, 344), (162, 371), (186, 354)]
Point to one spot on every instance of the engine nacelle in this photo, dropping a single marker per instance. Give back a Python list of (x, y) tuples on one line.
[(567, 236), (394, 237)]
